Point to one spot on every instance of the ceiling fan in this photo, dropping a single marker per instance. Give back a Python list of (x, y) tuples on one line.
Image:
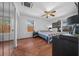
[(49, 13)]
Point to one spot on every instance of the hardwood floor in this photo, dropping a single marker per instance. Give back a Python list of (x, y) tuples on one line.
[(6, 48), (30, 47)]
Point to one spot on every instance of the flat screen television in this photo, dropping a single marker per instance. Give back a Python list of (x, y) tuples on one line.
[(56, 24)]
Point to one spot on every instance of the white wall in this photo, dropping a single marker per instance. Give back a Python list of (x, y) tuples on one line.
[(39, 24), (22, 28)]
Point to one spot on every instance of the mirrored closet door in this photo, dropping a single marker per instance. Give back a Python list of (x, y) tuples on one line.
[(7, 28)]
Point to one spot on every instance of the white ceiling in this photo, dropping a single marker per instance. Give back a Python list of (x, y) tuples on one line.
[(63, 9)]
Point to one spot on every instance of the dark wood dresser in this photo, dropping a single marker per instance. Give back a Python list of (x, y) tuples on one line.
[(65, 45)]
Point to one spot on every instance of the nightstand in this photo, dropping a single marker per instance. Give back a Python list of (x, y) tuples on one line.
[(35, 34)]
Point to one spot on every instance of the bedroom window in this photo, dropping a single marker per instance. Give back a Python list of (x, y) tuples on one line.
[(30, 28)]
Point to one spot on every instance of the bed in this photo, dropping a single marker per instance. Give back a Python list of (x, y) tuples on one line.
[(47, 35)]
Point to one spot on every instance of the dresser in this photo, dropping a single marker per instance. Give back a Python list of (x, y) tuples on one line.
[(65, 45)]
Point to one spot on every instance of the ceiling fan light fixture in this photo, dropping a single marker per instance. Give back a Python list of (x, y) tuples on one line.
[(49, 13)]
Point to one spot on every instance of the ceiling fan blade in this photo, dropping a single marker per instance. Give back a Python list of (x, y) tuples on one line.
[(52, 15), (46, 11), (53, 11)]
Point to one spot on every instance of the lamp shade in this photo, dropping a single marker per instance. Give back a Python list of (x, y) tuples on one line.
[(73, 20)]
